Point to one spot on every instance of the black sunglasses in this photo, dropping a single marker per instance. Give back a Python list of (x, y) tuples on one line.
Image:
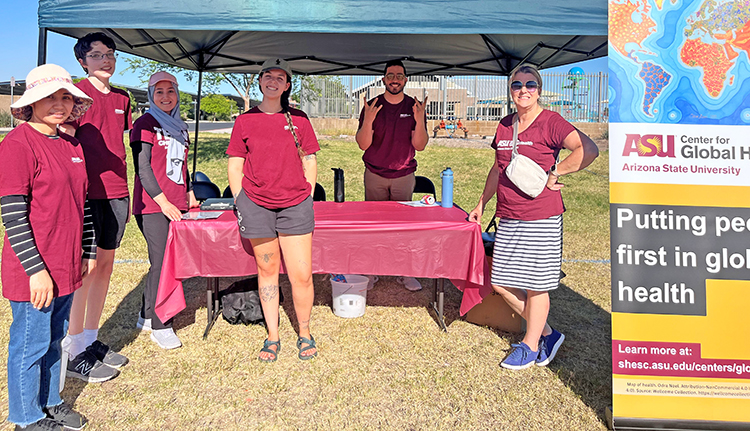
[(531, 86)]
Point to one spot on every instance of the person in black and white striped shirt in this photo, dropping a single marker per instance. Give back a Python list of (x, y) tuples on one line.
[(528, 244)]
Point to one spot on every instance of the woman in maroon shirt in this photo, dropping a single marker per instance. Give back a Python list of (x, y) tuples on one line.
[(528, 244), (47, 246), (161, 191), (272, 173)]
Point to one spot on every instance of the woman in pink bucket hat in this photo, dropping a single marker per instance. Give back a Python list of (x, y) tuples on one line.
[(43, 186)]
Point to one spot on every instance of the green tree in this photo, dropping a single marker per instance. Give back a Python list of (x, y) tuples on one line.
[(133, 103), (218, 106), (243, 83), (311, 88), (186, 106)]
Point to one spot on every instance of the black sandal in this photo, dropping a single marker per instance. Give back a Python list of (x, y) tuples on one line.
[(266, 345), (310, 345)]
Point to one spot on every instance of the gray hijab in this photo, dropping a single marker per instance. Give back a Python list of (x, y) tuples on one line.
[(175, 128)]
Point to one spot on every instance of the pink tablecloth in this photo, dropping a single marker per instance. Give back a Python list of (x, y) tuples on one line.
[(382, 238)]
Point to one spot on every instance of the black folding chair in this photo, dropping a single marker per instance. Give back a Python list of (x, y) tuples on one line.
[(320, 193), (205, 189), (200, 176), (424, 185)]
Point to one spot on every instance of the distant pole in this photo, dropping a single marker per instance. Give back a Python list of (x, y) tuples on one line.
[(197, 121), (42, 52), (12, 84)]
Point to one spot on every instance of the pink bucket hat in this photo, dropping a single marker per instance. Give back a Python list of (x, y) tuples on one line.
[(43, 81), (161, 76)]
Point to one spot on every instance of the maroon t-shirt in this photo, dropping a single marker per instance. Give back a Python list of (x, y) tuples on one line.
[(273, 174), (52, 172), (391, 154), (100, 132), (541, 142), (147, 129)]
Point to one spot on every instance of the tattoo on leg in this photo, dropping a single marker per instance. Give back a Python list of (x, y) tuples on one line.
[(304, 324), (268, 292), (266, 257)]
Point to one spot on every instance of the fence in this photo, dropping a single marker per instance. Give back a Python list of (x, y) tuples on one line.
[(578, 98)]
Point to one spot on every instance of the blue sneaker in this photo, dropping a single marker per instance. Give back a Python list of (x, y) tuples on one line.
[(548, 346), (521, 357)]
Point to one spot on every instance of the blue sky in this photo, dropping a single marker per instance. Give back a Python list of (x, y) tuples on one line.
[(20, 34)]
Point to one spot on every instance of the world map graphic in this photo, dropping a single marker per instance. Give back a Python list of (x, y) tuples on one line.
[(679, 61)]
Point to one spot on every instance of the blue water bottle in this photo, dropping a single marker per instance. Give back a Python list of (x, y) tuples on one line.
[(447, 176)]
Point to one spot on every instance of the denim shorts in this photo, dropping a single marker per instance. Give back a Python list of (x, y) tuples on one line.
[(259, 222)]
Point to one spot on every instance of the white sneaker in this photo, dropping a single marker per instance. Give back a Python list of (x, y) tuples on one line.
[(410, 283), (372, 280), (143, 324), (166, 338)]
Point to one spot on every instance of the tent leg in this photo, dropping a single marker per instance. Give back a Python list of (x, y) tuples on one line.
[(197, 121), (42, 51)]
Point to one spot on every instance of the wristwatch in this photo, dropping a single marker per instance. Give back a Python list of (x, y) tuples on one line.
[(553, 170)]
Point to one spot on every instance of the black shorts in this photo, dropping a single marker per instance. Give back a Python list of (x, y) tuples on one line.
[(259, 222), (110, 216)]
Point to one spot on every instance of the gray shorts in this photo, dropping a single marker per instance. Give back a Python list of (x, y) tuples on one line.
[(109, 217), (259, 222)]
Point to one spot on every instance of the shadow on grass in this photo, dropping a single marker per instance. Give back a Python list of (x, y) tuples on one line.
[(584, 362), (387, 292), (117, 331)]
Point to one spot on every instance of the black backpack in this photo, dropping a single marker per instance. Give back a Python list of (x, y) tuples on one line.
[(240, 303)]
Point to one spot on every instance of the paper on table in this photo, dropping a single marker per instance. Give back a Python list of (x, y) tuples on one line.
[(419, 204), (202, 215)]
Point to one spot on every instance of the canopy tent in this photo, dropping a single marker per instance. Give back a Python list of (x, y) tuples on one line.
[(457, 37)]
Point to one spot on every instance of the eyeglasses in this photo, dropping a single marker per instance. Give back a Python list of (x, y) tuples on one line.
[(531, 86), (98, 57), (397, 76)]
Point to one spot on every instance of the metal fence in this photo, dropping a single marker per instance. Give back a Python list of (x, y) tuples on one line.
[(578, 98)]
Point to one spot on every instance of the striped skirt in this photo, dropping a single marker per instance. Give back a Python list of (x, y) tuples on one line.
[(528, 254)]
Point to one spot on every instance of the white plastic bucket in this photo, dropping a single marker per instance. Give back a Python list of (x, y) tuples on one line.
[(349, 298)]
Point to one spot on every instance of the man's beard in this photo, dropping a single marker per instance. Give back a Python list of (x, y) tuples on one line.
[(390, 90)]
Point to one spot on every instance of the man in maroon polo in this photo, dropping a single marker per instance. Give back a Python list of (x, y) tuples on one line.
[(392, 127)]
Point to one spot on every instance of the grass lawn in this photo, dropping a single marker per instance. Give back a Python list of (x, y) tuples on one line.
[(390, 369)]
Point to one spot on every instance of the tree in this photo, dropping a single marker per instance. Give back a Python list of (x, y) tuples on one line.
[(218, 106), (186, 106), (311, 88), (133, 103), (243, 83)]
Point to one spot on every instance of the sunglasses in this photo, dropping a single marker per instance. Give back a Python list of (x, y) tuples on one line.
[(531, 86), (398, 76)]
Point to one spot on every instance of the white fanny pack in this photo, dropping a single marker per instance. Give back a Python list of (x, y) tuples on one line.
[(523, 172)]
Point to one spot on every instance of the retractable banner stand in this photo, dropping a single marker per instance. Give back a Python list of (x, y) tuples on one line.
[(679, 134)]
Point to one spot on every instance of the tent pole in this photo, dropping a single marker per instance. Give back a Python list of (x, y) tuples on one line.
[(42, 51), (197, 121)]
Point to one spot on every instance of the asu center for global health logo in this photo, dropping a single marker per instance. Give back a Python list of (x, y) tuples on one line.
[(664, 153), (649, 145)]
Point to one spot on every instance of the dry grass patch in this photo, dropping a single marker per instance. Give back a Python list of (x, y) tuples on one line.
[(390, 369)]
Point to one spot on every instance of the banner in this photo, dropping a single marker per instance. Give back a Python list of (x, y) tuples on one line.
[(679, 134)]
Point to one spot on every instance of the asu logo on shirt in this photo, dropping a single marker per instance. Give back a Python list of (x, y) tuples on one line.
[(76, 160)]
